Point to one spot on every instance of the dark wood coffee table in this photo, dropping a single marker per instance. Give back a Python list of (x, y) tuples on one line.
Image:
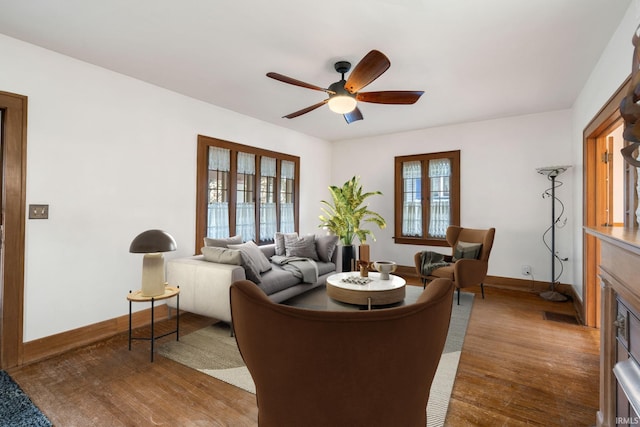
[(317, 299)]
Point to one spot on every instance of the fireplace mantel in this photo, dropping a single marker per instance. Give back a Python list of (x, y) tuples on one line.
[(620, 327)]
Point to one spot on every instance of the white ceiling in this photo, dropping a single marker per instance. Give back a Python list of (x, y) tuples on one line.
[(475, 60)]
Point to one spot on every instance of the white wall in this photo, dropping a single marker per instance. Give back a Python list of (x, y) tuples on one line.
[(499, 184), (114, 156), (612, 69)]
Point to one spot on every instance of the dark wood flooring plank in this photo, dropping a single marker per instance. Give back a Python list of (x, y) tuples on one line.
[(518, 369)]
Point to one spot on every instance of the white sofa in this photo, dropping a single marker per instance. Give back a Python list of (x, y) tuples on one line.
[(204, 285)]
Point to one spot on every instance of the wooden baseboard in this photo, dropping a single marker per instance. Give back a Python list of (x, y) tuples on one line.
[(527, 285), (536, 286), (53, 345)]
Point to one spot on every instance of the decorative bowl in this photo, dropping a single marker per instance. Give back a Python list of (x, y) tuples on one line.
[(384, 268)]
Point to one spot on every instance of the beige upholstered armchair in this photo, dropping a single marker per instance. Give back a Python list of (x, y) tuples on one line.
[(341, 368), (468, 263)]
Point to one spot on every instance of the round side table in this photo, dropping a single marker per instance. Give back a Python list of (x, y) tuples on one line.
[(169, 292)]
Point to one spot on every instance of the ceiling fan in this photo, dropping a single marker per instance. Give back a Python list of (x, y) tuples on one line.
[(345, 94)]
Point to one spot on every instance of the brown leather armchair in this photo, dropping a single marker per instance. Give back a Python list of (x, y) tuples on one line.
[(341, 368), (464, 272)]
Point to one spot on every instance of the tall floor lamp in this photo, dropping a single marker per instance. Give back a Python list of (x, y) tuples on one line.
[(552, 172)]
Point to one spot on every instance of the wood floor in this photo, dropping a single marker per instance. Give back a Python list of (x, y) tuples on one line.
[(516, 369)]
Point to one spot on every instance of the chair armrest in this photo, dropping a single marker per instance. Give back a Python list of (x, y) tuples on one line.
[(469, 272), (417, 260), (416, 263)]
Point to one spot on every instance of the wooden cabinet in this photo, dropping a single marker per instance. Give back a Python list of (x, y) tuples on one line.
[(620, 326), (626, 367)]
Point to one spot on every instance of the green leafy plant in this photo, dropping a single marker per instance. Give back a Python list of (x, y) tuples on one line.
[(347, 214)]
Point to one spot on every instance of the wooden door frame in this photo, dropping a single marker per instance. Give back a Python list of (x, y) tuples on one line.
[(607, 117), (608, 143), (14, 201)]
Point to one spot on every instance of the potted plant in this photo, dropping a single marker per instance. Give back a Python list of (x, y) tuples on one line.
[(346, 215)]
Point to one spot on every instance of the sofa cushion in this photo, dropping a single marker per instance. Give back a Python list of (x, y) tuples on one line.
[(465, 250), (301, 246), (325, 267), (222, 255), (325, 246), (277, 279), (223, 243), (251, 270), (252, 251), (278, 240), (268, 250), (233, 257)]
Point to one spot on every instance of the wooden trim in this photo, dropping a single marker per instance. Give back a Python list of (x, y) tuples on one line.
[(525, 285), (201, 200), (610, 180), (605, 120), (232, 187), (52, 345), (601, 184), (609, 112), (296, 194), (14, 166), (499, 282)]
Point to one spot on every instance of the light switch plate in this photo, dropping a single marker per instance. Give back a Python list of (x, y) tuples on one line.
[(38, 211)]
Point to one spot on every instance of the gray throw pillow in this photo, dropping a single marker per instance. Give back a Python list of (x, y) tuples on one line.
[(222, 255), (253, 252), (304, 247), (325, 246), (278, 239), (223, 243), (466, 250), (233, 257), (251, 270)]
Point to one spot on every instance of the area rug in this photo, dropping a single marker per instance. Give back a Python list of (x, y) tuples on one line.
[(213, 351), (16, 409)]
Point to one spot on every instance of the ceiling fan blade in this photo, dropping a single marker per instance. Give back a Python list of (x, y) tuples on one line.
[(305, 110), (295, 82), (353, 115), (390, 96), (368, 69)]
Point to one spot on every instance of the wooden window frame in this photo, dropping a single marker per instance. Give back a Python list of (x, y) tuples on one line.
[(202, 178), (454, 194)]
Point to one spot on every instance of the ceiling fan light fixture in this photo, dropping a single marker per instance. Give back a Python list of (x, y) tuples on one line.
[(342, 104), (344, 95)]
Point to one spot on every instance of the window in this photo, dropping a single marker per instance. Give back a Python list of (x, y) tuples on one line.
[(268, 209), (244, 190), (288, 218), (427, 197)]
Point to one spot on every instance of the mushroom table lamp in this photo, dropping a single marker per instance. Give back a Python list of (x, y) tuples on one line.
[(152, 243)]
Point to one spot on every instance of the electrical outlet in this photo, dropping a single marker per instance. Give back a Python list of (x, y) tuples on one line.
[(526, 270), (38, 211)]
